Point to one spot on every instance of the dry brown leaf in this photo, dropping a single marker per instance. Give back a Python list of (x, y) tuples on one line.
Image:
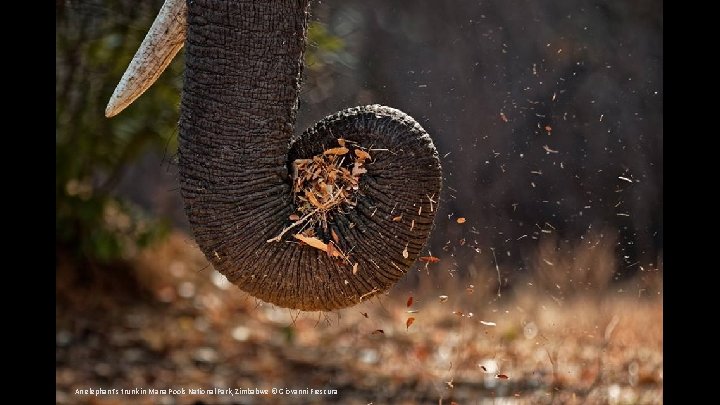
[(548, 128), (355, 268), (362, 154), (460, 220), (325, 189), (357, 170), (397, 218), (336, 151), (294, 217), (405, 252), (365, 314), (378, 331), (409, 322), (331, 251), (335, 236), (458, 313), (341, 141), (312, 241), (429, 259), (409, 301), (312, 199), (318, 244), (502, 376), (443, 298)]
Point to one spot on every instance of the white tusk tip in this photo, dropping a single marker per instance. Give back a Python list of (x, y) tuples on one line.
[(162, 42), (111, 111)]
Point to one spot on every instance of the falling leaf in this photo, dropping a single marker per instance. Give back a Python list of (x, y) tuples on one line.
[(443, 298), (336, 151), (405, 252), (486, 323), (502, 376), (362, 154), (409, 322), (335, 236), (355, 269), (549, 150), (460, 220), (429, 259), (294, 217), (503, 117), (397, 218), (378, 331), (450, 384), (483, 368), (409, 301), (458, 313), (365, 314), (548, 128)]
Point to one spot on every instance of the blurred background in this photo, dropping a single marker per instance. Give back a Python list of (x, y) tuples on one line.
[(548, 117)]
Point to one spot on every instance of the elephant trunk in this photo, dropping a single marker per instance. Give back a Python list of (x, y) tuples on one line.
[(237, 145)]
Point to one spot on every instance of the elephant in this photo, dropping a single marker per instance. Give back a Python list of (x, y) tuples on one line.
[(238, 157)]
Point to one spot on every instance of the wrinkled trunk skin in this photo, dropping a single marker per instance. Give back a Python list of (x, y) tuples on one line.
[(242, 78)]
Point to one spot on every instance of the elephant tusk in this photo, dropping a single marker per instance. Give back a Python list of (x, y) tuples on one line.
[(161, 44)]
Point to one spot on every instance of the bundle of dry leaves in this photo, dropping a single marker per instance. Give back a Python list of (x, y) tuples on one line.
[(322, 184)]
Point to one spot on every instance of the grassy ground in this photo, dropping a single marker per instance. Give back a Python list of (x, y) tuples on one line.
[(186, 327)]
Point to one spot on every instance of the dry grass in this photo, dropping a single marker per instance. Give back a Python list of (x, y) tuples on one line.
[(198, 331), (589, 269)]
